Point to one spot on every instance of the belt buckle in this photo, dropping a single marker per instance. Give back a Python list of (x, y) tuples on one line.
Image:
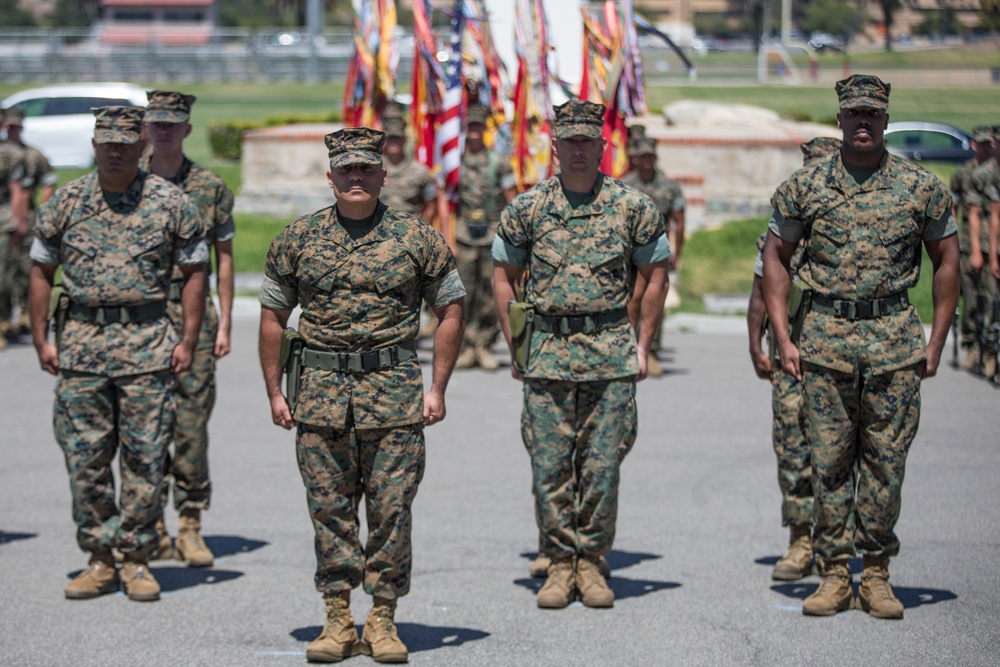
[(864, 310), (110, 314), (369, 361), (575, 323)]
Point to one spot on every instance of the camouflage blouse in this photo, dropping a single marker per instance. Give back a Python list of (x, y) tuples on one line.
[(864, 242), (359, 296)]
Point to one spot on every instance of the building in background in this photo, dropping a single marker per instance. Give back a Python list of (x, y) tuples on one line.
[(166, 22)]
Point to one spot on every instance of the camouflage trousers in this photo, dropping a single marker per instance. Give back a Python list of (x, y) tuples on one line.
[(14, 287), (475, 267), (970, 290), (791, 445), (187, 463), (577, 434), (338, 467), (861, 427), (6, 275), (97, 417)]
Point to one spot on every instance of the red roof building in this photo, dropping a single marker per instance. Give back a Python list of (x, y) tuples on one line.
[(165, 22)]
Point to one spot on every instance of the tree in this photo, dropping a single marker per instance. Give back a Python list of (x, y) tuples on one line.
[(888, 10), (989, 17), (836, 17), (73, 13), (12, 16)]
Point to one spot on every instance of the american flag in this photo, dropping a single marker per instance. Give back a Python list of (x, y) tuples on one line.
[(449, 140)]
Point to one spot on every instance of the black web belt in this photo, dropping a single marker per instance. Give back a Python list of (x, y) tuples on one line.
[(866, 309), (359, 362), (571, 324), (102, 315)]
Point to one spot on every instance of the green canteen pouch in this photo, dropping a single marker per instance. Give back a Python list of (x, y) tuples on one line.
[(521, 317), (290, 340)]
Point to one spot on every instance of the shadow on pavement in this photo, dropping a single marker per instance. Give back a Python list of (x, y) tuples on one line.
[(417, 637), (180, 577), (910, 597), (6, 537), (228, 545), (855, 565), (618, 560)]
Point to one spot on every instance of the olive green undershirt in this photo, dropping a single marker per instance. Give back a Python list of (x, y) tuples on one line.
[(356, 229)]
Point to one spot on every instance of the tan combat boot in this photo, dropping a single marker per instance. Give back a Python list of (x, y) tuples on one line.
[(137, 580), (165, 549), (875, 594), (99, 578), (4, 328), (339, 638), (970, 362), (466, 358), (539, 568), (485, 359), (190, 545), (379, 638), (797, 561), (594, 589), (834, 593), (557, 591)]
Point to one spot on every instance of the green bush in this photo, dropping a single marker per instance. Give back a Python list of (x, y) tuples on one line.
[(226, 139)]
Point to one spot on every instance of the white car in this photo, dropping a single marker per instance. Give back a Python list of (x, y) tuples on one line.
[(58, 120)]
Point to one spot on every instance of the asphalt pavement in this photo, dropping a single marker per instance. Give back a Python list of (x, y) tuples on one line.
[(698, 531)]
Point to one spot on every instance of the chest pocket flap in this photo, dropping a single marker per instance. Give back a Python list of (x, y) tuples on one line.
[(397, 271), (145, 240), (81, 243)]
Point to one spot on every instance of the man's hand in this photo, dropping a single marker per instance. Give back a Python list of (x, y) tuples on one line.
[(181, 359), (761, 364), (48, 357), (642, 354), (280, 413), (222, 345), (790, 361), (976, 261), (434, 410), (928, 368)]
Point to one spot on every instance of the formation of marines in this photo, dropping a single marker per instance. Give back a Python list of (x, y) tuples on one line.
[(573, 272)]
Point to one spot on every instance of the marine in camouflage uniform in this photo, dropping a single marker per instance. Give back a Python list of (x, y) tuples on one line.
[(359, 271), (410, 187), (983, 199), (13, 225), (117, 233), (861, 354), (487, 184), (592, 246), (167, 123), (788, 428), (37, 174), (666, 193), (960, 190)]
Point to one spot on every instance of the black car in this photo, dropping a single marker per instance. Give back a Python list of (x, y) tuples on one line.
[(928, 141)]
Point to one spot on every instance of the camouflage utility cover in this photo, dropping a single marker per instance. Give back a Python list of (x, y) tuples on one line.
[(408, 186), (118, 259), (358, 296), (581, 262), (863, 90), (168, 107), (578, 119), (665, 192), (118, 125), (864, 242), (984, 191), (354, 145)]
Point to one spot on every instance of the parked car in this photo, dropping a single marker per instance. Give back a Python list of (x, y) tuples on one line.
[(928, 141), (58, 120), (823, 42)]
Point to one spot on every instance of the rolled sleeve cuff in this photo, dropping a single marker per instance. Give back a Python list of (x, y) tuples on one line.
[(196, 253), (226, 231), (784, 228), (505, 253), (508, 181), (444, 291), (43, 253), (758, 265), (942, 228), (679, 204), (276, 296), (652, 252)]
